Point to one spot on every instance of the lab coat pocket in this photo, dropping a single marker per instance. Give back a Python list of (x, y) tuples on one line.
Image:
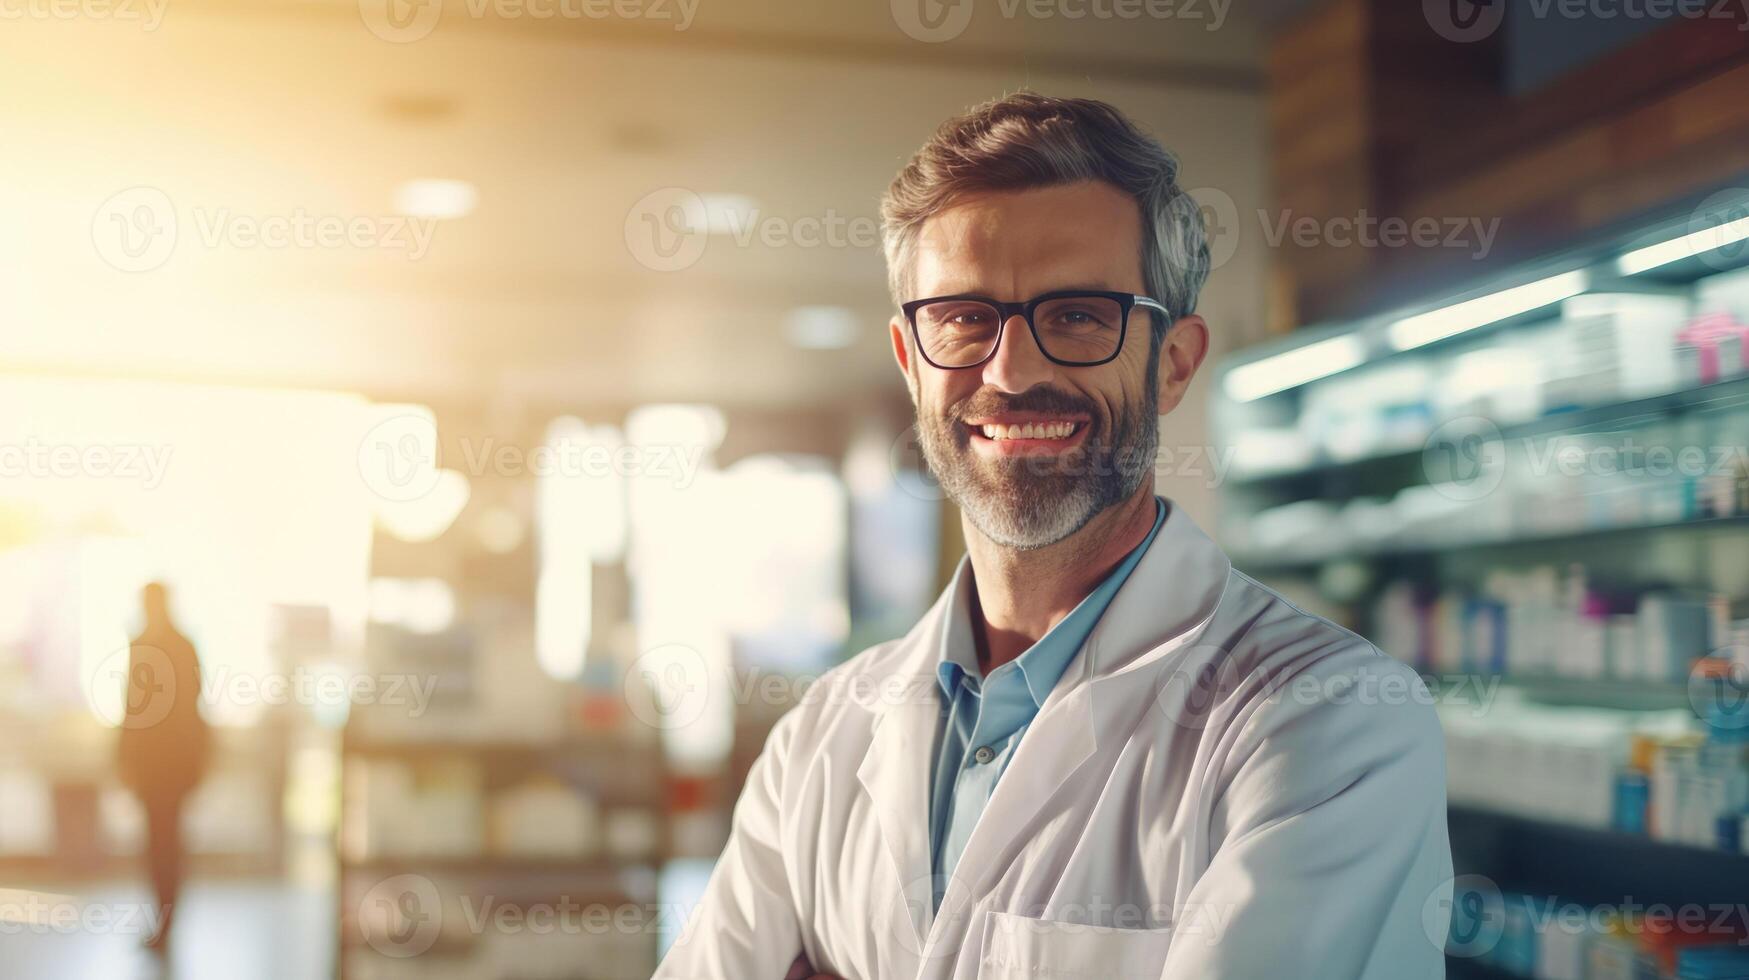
[(1044, 949)]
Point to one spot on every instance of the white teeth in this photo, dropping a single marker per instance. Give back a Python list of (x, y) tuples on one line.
[(1030, 430)]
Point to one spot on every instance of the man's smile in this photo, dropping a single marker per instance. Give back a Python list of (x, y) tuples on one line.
[(1025, 433)]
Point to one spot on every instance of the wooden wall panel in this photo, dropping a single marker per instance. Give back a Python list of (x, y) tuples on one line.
[(1372, 111)]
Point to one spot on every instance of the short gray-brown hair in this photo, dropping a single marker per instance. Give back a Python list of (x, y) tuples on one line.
[(1027, 140)]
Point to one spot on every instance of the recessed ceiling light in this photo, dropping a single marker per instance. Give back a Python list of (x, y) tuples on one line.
[(821, 327), (637, 137), (683, 426), (418, 108), (435, 198), (728, 214)]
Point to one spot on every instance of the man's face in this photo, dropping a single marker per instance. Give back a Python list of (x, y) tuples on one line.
[(1100, 424)]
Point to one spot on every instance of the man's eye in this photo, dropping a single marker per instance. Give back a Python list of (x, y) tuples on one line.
[(1078, 318)]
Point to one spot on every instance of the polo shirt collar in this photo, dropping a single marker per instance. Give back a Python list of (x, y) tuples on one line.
[(1043, 664)]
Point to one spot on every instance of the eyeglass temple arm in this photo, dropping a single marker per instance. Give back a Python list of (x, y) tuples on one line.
[(1153, 304)]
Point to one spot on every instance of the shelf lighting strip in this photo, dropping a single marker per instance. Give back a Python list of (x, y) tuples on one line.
[(1449, 321), (1290, 369), (1652, 256)]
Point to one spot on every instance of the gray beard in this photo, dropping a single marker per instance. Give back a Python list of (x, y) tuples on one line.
[(1025, 503)]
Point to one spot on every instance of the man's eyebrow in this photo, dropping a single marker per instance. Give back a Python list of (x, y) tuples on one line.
[(1090, 287)]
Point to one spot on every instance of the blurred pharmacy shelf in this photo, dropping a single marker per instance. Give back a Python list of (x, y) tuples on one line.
[(1593, 866), (1369, 478), (1540, 899), (449, 845), (1459, 968), (1590, 692), (1410, 548), (1624, 695), (1536, 492), (68, 818), (1326, 473), (574, 869), (1600, 392)]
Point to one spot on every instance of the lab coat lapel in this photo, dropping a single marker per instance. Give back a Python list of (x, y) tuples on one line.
[(1055, 746), (1163, 606), (896, 768)]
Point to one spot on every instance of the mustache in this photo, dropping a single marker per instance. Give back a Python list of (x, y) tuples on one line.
[(988, 401)]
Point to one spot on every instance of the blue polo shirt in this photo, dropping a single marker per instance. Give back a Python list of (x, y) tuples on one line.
[(983, 718)]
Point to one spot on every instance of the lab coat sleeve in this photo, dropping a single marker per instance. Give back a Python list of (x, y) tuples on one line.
[(745, 927), (1330, 854)]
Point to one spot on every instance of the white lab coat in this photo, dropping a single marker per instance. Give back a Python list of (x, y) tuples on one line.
[(1220, 786)]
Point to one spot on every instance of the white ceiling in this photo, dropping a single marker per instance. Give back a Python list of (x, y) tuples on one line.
[(237, 112)]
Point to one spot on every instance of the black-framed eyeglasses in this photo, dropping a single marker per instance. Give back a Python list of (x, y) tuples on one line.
[(1073, 327)]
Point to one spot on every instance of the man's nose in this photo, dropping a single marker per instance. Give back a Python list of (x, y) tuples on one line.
[(1018, 363)]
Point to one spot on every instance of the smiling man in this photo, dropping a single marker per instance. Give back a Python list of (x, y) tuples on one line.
[(1103, 753)]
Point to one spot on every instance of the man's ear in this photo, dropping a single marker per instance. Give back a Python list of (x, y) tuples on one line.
[(902, 353), (1181, 353)]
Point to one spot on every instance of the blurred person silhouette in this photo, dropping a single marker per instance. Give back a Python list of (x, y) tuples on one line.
[(164, 744)]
